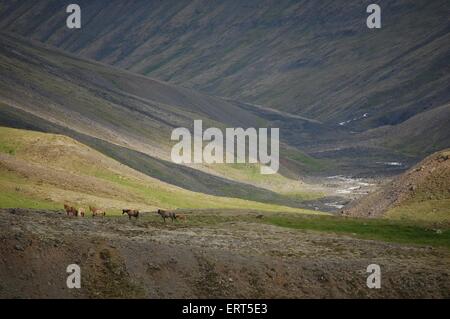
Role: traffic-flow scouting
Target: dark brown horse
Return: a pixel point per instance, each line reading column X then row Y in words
column 165, row 214
column 70, row 211
column 131, row 213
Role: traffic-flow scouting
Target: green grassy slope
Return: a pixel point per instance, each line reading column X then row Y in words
column 39, row 170
column 421, row 233
column 421, row 134
column 181, row 176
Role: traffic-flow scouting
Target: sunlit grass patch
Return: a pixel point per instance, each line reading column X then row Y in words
column 436, row 211
column 376, row 229
column 14, row 199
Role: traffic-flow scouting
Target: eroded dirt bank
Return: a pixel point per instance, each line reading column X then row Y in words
column 147, row 259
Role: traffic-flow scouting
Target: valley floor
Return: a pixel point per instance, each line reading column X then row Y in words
column 234, row 254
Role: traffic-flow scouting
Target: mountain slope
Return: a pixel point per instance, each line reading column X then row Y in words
column 112, row 104
column 421, row 193
column 39, row 170
column 315, row 59
column 128, row 117
column 420, row 134
column 293, row 194
column 69, row 95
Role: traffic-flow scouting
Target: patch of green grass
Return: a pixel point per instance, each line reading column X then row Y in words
column 7, row 149
column 304, row 160
column 376, row 229
column 174, row 198
column 8, row 144
column 436, row 211
column 17, row 199
column 250, row 173
column 305, row 196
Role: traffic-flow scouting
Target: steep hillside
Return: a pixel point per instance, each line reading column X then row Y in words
column 422, row 193
column 316, row 59
column 421, row 134
column 39, row 170
column 130, row 118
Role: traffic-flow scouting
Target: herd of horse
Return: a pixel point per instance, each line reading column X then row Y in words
column 80, row 212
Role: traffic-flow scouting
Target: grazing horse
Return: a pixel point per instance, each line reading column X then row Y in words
column 131, row 213
column 97, row 211
column 71, row 211
column 165, row 214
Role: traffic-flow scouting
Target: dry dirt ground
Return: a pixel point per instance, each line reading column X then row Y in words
column 236, row 259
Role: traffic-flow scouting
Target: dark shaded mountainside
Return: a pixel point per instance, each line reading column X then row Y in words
column 423, row 192
column 125, row 116
column 309, row 58
column 130, row 117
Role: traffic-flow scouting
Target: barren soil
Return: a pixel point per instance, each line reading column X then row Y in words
column 237, row 258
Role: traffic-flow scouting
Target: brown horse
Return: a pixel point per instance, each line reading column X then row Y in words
column 70, row 211
column 97, row 211
column 165, row 214
column 131, row 213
